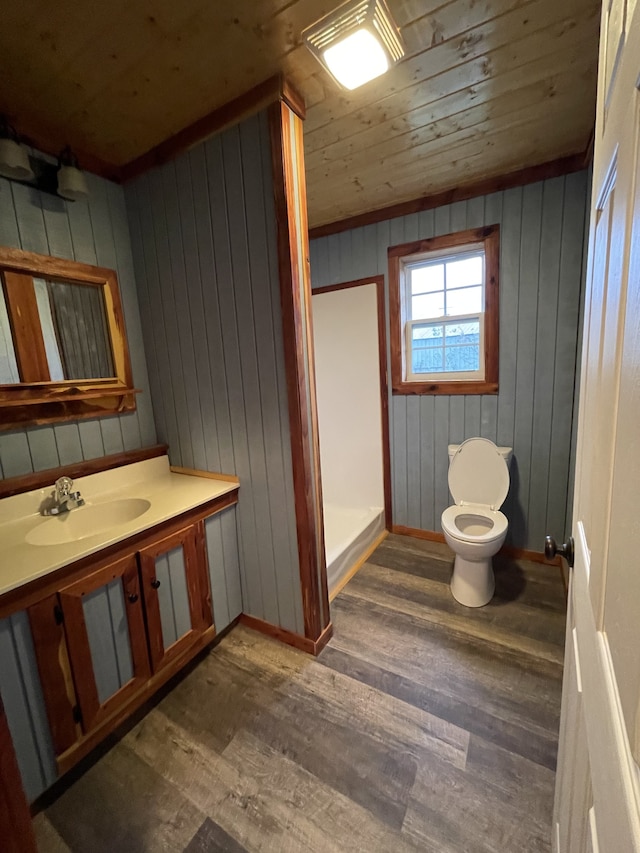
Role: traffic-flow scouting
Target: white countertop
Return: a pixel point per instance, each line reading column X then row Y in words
column 169, row 494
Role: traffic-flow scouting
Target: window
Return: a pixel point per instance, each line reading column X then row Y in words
column 444, row 314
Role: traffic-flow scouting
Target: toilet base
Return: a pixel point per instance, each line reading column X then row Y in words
column 473, row 582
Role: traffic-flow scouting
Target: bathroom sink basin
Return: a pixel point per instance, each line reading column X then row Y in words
column 86, row 521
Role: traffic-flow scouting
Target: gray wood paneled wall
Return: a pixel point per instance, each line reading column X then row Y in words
column 204, row 240
column 95, row 232
column 541, row 273
column 224, row 567
column 24, row 704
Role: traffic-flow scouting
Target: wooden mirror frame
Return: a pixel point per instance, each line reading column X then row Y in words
column 35, row 400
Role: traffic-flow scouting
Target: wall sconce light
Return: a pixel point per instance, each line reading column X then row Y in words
column 14, row 157
column 72, row 183
column 64, row 179
column 356, row 43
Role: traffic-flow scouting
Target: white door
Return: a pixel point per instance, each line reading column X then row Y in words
column 597, row 804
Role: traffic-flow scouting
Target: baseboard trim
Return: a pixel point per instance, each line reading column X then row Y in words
column 417, row 533
column 359, row 563
column 305, row 644
column 507, row 550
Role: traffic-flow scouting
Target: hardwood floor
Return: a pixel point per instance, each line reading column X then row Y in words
column 423, row 726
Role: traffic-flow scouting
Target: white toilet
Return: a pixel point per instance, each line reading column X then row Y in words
column 474, row 527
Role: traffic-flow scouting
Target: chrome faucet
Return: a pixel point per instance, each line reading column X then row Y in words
column 64, row 499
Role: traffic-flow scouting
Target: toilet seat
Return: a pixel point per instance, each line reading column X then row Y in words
column 478, row 475
column 498, row 529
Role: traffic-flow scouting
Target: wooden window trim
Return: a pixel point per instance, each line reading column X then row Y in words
column 488, row 235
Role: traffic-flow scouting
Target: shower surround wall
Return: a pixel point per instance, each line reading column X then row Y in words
column 347, row 365
column 205, row 248
column 541, row 256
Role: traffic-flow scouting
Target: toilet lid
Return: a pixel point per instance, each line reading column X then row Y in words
column 478, row 474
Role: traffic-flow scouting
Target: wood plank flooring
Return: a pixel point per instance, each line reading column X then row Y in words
column 423, row 726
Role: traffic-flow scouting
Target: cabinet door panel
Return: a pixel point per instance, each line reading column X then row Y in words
column 173, row 595
column 108, row 632
column 176, row 593
column 106, row 638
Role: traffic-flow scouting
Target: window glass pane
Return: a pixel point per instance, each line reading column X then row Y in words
column 427, row 279
column 427, row 305
column 451, row 347
column 467, row 332
column 427, row 348
column 464, row 272
column 428, row 360
column 461, row 358
column 428, row 335
column 465, row 301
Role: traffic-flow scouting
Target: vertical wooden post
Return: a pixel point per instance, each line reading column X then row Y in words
column 295, row 296
column 16, row 831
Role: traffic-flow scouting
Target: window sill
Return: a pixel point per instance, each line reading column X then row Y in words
column 449, row 388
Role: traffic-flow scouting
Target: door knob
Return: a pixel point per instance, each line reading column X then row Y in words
column 155, row 583
column 133, row 597
column 565, row 550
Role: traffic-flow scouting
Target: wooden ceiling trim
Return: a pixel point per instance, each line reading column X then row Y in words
column 475, row 160
column 270, row 91
column 292, row 98
column 521, row 177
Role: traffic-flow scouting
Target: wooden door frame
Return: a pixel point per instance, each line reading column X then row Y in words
column 378, row 280
column 289, row 187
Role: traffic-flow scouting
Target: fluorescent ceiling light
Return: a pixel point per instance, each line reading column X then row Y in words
column 356, row 43
column 356, row 59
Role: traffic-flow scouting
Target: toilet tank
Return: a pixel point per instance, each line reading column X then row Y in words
column 505, row 452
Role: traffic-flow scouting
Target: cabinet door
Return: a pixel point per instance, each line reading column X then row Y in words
column 106, row 638
column 177, row 596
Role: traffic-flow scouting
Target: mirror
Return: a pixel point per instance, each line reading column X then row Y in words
column 73, row 320
column 63, row 348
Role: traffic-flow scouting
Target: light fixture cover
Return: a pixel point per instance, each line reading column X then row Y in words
column 356, row 43
column 72, row 184
column 14, row 161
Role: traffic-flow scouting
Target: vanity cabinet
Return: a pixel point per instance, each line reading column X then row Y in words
column 86, row 642
column 102, row 638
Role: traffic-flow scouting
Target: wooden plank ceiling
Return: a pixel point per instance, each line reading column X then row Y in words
column 487, row 86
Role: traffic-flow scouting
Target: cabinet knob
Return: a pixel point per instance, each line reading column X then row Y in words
column 155, row 583
column 133, row 597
